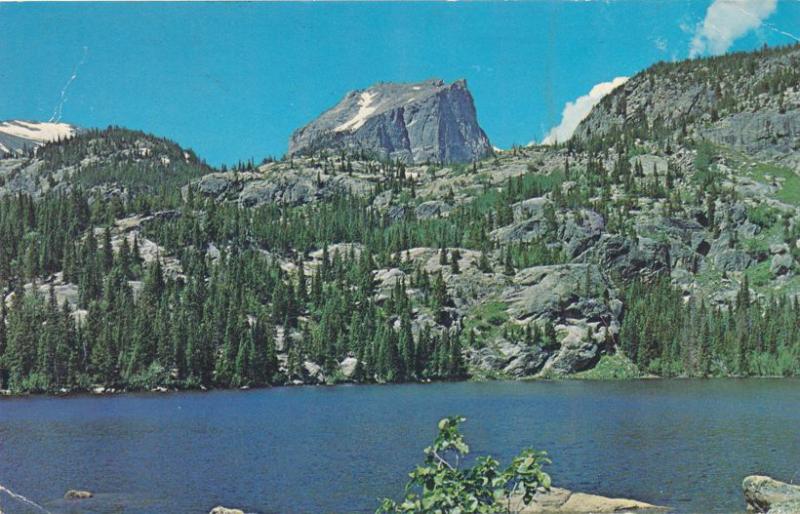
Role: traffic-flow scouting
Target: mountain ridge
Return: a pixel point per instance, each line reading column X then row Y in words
column 639, row 248
column 19, row 136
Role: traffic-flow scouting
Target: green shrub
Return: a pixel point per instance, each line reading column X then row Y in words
column 439, row 485
column 763, row 216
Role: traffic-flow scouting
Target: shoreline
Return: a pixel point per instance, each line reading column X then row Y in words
column 163, row 390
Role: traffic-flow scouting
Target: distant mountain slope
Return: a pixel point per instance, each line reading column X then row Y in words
column 429, row 121
column 17, row 136
column 110, row 158
column 748, row 101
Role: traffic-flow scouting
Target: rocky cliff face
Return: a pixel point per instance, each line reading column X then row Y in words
column 746, row 101
column 428, row 121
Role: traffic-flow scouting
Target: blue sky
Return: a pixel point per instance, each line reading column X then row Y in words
column 232, row 81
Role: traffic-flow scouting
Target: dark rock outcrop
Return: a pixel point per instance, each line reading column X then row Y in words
column 429, row 121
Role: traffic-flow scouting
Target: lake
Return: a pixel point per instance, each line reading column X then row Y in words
column 686, row 444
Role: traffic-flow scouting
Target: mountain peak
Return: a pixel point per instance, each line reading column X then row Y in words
column 428, row 121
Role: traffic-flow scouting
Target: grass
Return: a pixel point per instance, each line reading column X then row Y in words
column 790, row 183
column 487, row 318
column 789, row 191
column 610, row 367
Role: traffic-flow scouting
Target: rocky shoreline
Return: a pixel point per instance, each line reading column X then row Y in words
column 108, row 391
column 762, row 495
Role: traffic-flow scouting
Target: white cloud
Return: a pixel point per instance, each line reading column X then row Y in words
column 726, row 21
column 575, row 112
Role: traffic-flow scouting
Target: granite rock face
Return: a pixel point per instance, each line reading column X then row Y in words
column 765, row 494
column 678, row 98
column 558, row 500
column 429, row 121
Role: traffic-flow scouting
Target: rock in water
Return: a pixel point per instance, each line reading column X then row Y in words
column 558, row 500
column 224, row 510
column 765, row 494
column 791, row 507
column 429, row 121
column 77, row 494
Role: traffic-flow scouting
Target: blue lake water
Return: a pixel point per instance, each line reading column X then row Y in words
column 686, row 444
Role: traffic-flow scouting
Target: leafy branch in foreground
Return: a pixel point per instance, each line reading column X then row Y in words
column 440, row 485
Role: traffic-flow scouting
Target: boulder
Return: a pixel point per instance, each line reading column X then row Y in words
column 790, row 507
column 747, row 230
column 531, row 208
column 396, row 213
column 526, row 363
column 214, row 184
column 525, row 231
column 738, row 213
column 225, row 510
column 778, row 248
column 578, row 352
column 348, row 366
column 732, row 260
column 781, row 264
column 513, row 359
column 290, row 189
column 77, row 494
column 763, row 493
column 313, row 372
column 626, row 257
column 580, row 230
column 553, row 292
column 558, row 500
column 432, row 209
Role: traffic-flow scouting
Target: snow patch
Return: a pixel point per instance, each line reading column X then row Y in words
column 3, row 149
column 365, row 109
column 39, row 132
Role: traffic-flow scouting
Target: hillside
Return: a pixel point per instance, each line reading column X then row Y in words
column 113, row 158
column 646, row 245
column 745, row 101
